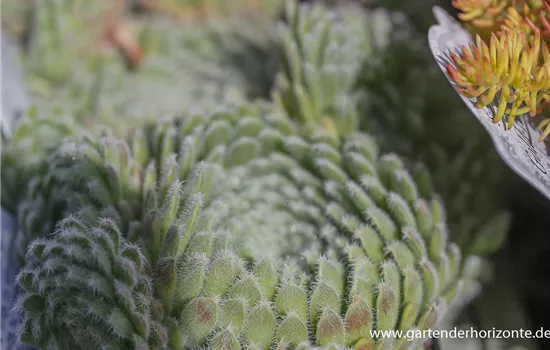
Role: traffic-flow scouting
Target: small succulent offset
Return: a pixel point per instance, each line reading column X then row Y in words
column 238, row 230
column 323, row 52
column 510, row 63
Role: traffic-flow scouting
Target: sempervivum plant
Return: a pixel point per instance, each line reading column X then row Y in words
column 323, row 52
column 411, row 109
column 237, row 230
column 66, row 65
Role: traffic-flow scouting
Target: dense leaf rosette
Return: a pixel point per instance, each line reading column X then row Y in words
column 238, row 230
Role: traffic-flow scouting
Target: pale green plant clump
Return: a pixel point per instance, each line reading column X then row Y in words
column 413, row 112
column 323, row 52
column 68, row 62
column 276, row 225
column 345, row 69
column 238, row 231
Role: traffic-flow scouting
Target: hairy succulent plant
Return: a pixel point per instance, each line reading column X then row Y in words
column 26, row 155
column 91, row 290
column 238, row 230
column 399, row 95
column 407, row 104
column 29, row 194
column 323, row 52
column 79, row 70
column 258, row 226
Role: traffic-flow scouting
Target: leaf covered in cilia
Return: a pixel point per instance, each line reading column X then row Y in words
column 236, row 230
column 276, row 226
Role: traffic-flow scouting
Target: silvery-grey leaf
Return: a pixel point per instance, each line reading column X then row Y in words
column 518, row 147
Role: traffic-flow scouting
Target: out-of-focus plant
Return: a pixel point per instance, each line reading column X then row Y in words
column 200, row 10
column 71, row 64
column 412, row 110
column 323, row 53
column 233, row 230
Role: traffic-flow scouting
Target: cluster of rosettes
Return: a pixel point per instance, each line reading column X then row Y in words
column 28, row 187
column 513, row 70
column 88, row 288
column 407, row 105
column 36, row 136
column 237, row 230
column 323, row 52
column 228, row 60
